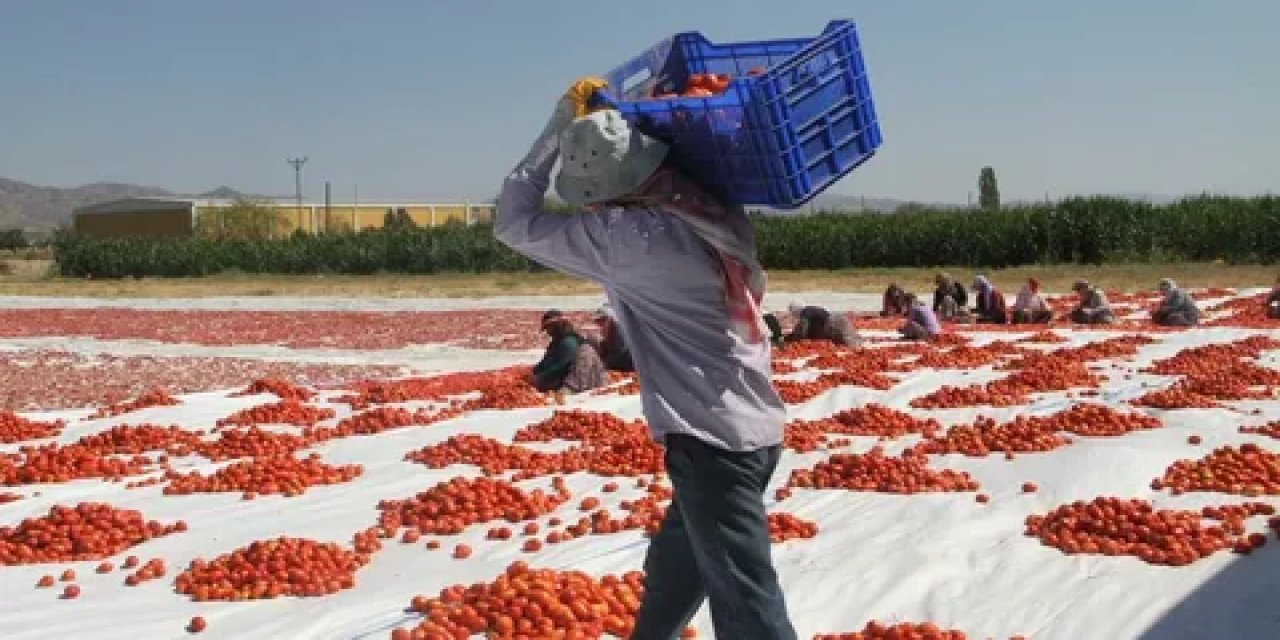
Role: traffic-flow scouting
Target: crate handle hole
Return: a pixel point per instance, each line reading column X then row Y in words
column 636, row 79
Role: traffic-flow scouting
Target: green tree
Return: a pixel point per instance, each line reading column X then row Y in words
column 11, row 239
column 988, row 190
column 243, row 219
column 398, row 220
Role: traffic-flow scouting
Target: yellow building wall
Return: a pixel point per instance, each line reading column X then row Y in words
column 481, row 214
column 450, row 213
column 295, row 218
column 347, row 218
column 421, row 216
column 370, row 217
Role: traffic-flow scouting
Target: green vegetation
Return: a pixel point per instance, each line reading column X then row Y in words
column 988, row 190
column 12, row 239
column 241, row 220
column 1077, row 231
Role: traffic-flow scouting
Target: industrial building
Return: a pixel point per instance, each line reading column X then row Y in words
column 176, row 217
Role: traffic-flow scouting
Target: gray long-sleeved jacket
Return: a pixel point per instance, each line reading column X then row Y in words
column 1179, row 301
column 664, row 282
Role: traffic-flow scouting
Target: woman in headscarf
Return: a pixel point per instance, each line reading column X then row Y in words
column 921, row 323
column 949, row 298
column 1177, row 308
column 680, row 269
column 1030, row 307
column 991, row 307
column 1272, row 303
column 816, row 323
column 1093, row 307
column 894, row 302
column 613, row 349
column 569, row 363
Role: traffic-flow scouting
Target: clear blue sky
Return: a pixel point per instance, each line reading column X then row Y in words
column 437, row 98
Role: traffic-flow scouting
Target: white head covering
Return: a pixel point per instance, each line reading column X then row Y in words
column 605, row 311
column 602, row 157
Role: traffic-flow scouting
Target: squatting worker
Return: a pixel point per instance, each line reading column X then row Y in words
column 680, row 271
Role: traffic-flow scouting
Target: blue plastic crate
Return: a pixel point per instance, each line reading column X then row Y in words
column 775, row 139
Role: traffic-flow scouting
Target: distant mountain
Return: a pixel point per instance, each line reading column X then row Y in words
column 35, row 207
column 852, row 204
column 224, row 193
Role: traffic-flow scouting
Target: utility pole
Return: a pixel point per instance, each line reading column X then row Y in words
column 327, row 203
column 297, row 178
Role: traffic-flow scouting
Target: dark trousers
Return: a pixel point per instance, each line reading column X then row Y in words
column 714, row 543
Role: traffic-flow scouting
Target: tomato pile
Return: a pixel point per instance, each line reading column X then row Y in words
column 1044, row 336
column 841, row 366
column 984, row 437
column 15, row 428
column 795, row 392
column 272, row 568
column 375, row 421
column 526, row 602
column 433, row 388
column 363, row 330
column 284, row 475
column 784, row 526
column 1097, row 420
column 278, row 387
column 624, row 455
column 1248, row 470
column 450, row 507
column 583, row 426
column 1174, row 398
column 152, row 398
column 1215, row 372
column 40, row 379
column 87, row 531
column 1012, row 390
column 1114, row 526
column 1212, row 359
column 1271, row 430
column 900, row 631
column 283, row 412
column 803, row 436
column 874, row 471
column 493, row 457
column 140, row 438
column 1243, row 312
column 961, row 357
column 54, row 463
column 878, row 420
column 252, row 443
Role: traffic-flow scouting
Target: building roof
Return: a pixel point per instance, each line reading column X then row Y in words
column 164, row 204
column 137, row 204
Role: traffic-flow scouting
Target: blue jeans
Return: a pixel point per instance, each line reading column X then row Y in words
column 714, row 543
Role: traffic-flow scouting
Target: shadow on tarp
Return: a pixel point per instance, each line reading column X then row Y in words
column 1241, row 602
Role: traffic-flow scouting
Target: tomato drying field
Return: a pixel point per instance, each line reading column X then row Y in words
column 244, row 471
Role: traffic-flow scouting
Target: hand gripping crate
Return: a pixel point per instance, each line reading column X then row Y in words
column 797, row 116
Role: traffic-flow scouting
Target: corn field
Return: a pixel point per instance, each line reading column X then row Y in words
column 1077, row 230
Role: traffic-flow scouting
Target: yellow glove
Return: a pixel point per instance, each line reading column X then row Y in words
column 580, row 93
